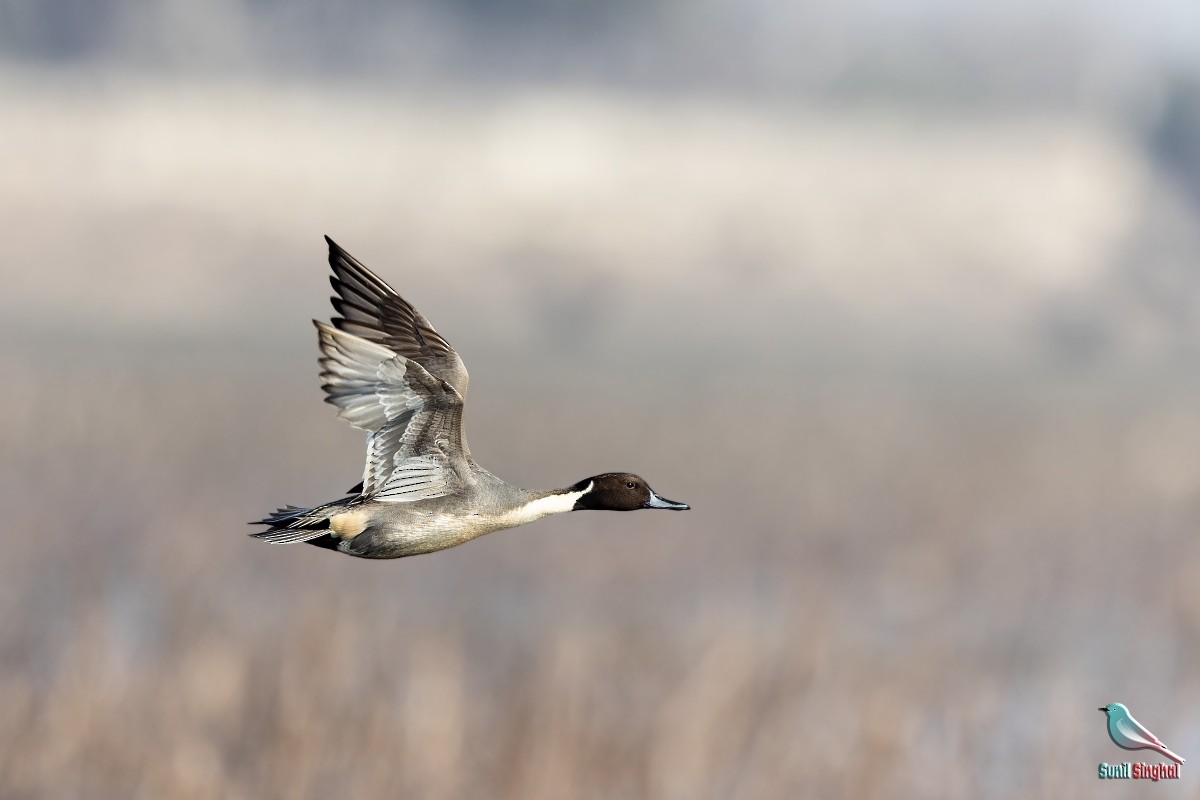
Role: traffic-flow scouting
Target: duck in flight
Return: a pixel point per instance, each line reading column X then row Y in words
column 391, row 374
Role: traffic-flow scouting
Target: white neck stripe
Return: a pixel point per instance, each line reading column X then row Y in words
column 551, row 504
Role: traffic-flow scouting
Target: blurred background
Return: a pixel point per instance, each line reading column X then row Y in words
column 904, row 299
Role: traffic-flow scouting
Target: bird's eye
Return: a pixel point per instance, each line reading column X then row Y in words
column 630, row 484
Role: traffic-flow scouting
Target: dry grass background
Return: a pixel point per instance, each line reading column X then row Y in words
column 924, row 546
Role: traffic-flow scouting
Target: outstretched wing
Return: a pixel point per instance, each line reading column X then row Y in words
column 372, row 310
column 413, row 419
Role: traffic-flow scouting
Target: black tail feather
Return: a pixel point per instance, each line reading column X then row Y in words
column 296, row 524
column 282, row 516
column 289, row 535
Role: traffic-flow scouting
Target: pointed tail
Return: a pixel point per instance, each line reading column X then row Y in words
column 294, row 524
column 1177, row 759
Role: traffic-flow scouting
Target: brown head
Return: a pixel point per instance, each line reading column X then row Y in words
column 620, row 491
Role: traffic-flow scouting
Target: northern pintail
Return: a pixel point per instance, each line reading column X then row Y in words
column 392, row 375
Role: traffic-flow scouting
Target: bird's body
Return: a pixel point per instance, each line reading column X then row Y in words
column 381, row 529
column 1129, row 734
column 391, row 374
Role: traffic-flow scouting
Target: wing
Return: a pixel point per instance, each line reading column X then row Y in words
column 372, row 310
column 1132, row 729
column 412, row 418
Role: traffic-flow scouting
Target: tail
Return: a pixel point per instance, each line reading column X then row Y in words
column 1170, row 755
column 295, row 524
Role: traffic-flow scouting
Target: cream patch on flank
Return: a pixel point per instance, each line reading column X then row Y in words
column 348, row 524
column 545, row 506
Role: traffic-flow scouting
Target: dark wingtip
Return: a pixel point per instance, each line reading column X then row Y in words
column 335, row 251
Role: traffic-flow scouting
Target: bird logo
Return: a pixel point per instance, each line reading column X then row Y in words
column 1129, row 734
